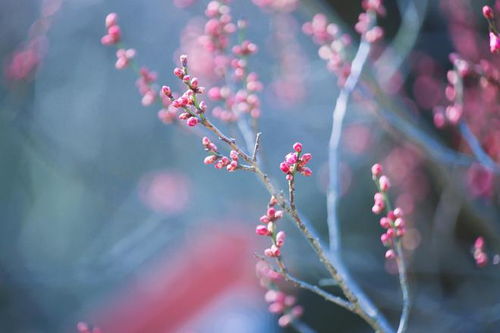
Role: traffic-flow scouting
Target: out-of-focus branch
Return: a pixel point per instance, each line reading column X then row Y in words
column 475, row 146
column 312, row 288
column 357, row 296
column 412, row 17
column 414, row 130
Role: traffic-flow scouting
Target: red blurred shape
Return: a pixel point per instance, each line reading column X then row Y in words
column 181, row 285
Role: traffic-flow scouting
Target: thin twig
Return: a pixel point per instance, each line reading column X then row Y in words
column 465, row 130
column 312, row 288
column 403, row 281
column 256, row 147
column 403, row 276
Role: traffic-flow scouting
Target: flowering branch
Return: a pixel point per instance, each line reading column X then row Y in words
column 395, row 225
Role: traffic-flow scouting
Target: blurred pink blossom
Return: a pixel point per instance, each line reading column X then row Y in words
column 166, row 192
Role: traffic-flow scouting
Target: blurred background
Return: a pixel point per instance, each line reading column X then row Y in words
column 109, row 216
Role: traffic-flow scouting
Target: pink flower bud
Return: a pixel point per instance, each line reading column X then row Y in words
column 210, row 159
column 488, row 12
column 479, row 243
column 297, row 147
column 271, row 212
column 262, row 230
column 284, row 167
column 376, row 170
column 385, row 239
column 400, row 232
column 148, row 98
column 203, row 106
column 166, row 91
column 264, row 219
column 306, row 172
column 399, row 223
column 115, row 32
column 297, row 311
column 291, row 159
column 276, row 307
column 285, row 320
column 271, row 296
column 233, row 165
column 280, row 238
column 398, row 212
column 378, row 207
column 184, row 116
column 278, row 215
column 112, row 19
column 184, row 60
column 385, row 222
column 305, row 158
column 214, row 93
column 289, row 301
column 234, row 155
column 194, row 82
column 205, row 141
column 378, row 197
column 384, row 183
column 481, row 259
column 225, row 161
column 390, row 254
column 391, row 233
column 193, row 121
column 178, row 72
column 494, row 43
column 273, row 251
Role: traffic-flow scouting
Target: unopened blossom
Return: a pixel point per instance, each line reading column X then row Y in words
column 479, row 253
column 113, row 35
column 296, row 162
column 488, row 12
column 494, row 43
column 393, row 223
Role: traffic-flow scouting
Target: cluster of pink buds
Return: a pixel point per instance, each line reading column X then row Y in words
column 168, row 113
column 365, row 26
column 188, row 101
column 124, row 57
column 485, row 72
column 86, row 328
column 219, row 26
column 145, row 84
column 266, row 274
column 218, row 160
column 478, row 252
column 493, row 34
column 268, row 228
column 393, row 222
column 333, row 45
column 296, row 162
column 245, row 48
column 283, row 305
column 279, row 302
column 114, row 33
